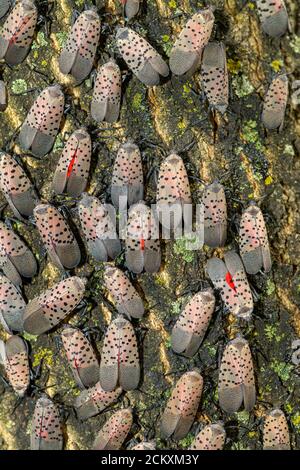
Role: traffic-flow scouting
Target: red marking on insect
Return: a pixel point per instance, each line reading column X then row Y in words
column 14, row 37
column 76, row 365
column 142, row 244
column 229, row 281
column 71, row 164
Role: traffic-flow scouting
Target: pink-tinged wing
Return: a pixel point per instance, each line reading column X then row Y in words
column 273, row 16
column 15, row 257
column 41, row 125
column 18, row 31
column 182, row 406
column 222, row 281
column 16, row 187
column 120, row 358
column 78, row 54
column 94, row 400
column 215, row 215
column 190, row 328
column 57, row 236
column 141, row 57
column 99, row 229
column 247, row 370
column 124, row 294
column 230, row 386
column 254, row 244
column 212, row 437
column 3, row 96
column 48, row 309
column 114, row 431
column 276, row 432
column 12, row 306
column 127, row 177
column 185, row 55
column 81, row 357
column 214, row 76
column 275, row 103
column 17, row 364
column 46, row 431
column 240, row 283
column 131, row 8
column 105, row 105
column 73, row 167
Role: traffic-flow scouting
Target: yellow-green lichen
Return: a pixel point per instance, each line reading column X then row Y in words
column 180, row 248
column 40, row 41
column 242, row 86
column 137, row 101
column 282, row 369
column 295, row 44
column 250, row 134
column 42, row 354
column 19, row 86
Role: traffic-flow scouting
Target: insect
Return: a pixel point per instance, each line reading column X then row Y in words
column 46, row 430
column 214, row 215
column 57, row 236
column 106, row 100
column 230, row 278
column 79, row 52
column 130, row 8
column 3, row 96
column 120, row 358
column 14, row 356
column 254, row 244
column 52, row 306
column 276, row 431
column 275, row 102
column 39, row 130
column 190, row 328
column 236, row 377
column 144, row 61
column 211, row 437
column 16, row 259
column 214, row 76
column 99, row 229
column 127, row 186
column 16, row 187
column 94, row 400
column 142, row 251
column 124, row 294
column 182, row 406
column 144, row 446
column 72, row 170
column 273, row 16
column 114, row 431
column 4, row 7
column 12, row 306
column 186, row 52
column 18, row 31
column 173, row 192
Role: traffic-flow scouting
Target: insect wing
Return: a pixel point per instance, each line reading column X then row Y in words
column 17, row 364
column 214, row 215
column 214, row 76
column 276, row 431
column 94, row 400
column 3, row 96
column 273, row 16
column 212, row 437
column 114, row 431
column 105, row 105
column 275, row 103
column 238, row 280
column 46, row 432
column 12, row 306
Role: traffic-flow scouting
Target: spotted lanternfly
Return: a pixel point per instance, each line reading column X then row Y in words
column 214, row 76
column 144, row 61
column 94, row 400
column 254, row 244
column 120, row 357
column 12, row 306
column 98, row 228
column 212, row 437
column 190, row 328
column 105, row 105
column 78, row 54
column 57, row 236
column 17, row 32
column 4, row 7
column 130, row 8
column 3, row 96
column 214, row 215
column 114, row 431
column 276, row 431
column 124, row 294
column 173, row 191
column 127, row 180
column 16, row 187
column 273, row 16
column 14, row 356
column 16, row 259
column 182, row 406
column 230, row 278
column 142, row 251
column 41, row 125
column 144, row 446
column 186, row 53
column 72, row 170
column 275, row 103
column 46, row 431
column 236, row 377
column 81, row 357
column 52, row 306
